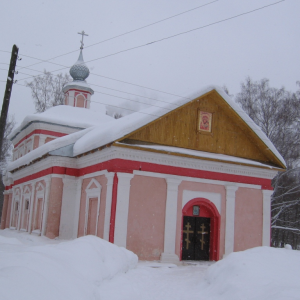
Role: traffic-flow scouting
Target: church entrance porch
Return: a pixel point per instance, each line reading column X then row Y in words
column 196, row 238
column 200, row 230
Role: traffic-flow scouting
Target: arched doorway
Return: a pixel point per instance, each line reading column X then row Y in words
column 200, row 230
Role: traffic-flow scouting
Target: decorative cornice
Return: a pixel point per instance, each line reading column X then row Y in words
column 143, row 156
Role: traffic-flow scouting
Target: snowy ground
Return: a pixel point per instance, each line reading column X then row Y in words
column 91, row 269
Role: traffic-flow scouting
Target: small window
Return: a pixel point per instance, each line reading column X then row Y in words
column 17, row 206
column 27, row 205
column 196, row 210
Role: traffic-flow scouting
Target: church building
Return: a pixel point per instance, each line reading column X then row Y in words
column 185, row 180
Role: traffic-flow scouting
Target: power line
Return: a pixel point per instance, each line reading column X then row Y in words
column 111, row 104
column 128, row 32
column 165, row 38
column 131, row 94
column 172, row 36
column 185, row 32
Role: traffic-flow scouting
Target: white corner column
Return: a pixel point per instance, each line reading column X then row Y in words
column 170, row 221
column 69, row 218
column 266, row 232
column 121, row 221
column 46, row 204
column 230, row 214
column 109, row 186
column 31, row 206
column 20, row 208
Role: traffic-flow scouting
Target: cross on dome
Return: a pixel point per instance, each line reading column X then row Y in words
column 79, row 71
column 83, row 34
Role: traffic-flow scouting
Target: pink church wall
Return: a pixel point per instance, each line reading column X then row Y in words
column 54, row 208
column 147, row 205
column 80, row 101
column 36, row 141
column 248, row 219
column 210, row 188
column 25, row 212
column 36, row 214
column 100, row 228
column 48, row 139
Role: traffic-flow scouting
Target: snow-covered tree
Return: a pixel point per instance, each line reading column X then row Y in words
column 46, row 90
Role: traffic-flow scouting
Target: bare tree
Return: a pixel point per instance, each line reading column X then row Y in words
column 46, row 90
column 5, row 156
column 285, row 211
column 277, row 112
column 6, row 145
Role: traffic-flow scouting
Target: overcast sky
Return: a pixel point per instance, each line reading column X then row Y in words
column 262, row 44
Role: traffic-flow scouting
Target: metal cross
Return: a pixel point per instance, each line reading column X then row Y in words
column 83, row 34
column 202, row 237
column 188, row 231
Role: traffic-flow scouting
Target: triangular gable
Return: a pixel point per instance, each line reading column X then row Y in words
column 229, row 134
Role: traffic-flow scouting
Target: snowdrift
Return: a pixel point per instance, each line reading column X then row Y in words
column 68, row 270
column 261, row 273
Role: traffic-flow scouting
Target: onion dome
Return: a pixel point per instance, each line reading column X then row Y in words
column 79, row 71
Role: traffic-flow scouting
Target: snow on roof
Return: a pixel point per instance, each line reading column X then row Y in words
column 66, row 115
column 46, row 148
column 112, row 129
column 109, row 132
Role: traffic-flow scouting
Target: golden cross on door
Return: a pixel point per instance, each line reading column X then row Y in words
column 188, row 231
column 202, row 237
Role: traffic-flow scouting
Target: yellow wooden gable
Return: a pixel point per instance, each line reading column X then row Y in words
column 229, row 133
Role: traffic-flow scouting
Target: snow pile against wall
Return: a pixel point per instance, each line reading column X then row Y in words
column 261, row 273
column 68, row 270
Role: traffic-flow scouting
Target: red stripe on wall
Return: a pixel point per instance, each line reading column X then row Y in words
column 128, row 166
column 113, row 209
column 40, row 131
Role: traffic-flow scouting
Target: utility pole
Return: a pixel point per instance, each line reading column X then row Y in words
column 7, row 93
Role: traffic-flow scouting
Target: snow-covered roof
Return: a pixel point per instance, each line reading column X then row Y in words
column 111, row 129
column 66, row 115
column 108, row 132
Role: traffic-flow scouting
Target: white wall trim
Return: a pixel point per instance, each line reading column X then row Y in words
column 26, row 196
column 107, row 216
column 230, row 217
column 194, row 179
column 266, row 230
column 215, row 198
column 31, row 207
column 92, row 193
column 121, row 221
column 170, row 221
column 70, row 208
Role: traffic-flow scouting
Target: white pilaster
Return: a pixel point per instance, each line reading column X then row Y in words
column 20, row 207
column 266, row 232
column 46, row 204
column 31, row 206
column 69, row 218
column 121, row 221
column 109, row 187
column 170, row 221
column 230, row 213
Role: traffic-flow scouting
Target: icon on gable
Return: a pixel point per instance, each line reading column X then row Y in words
column 204, row 121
